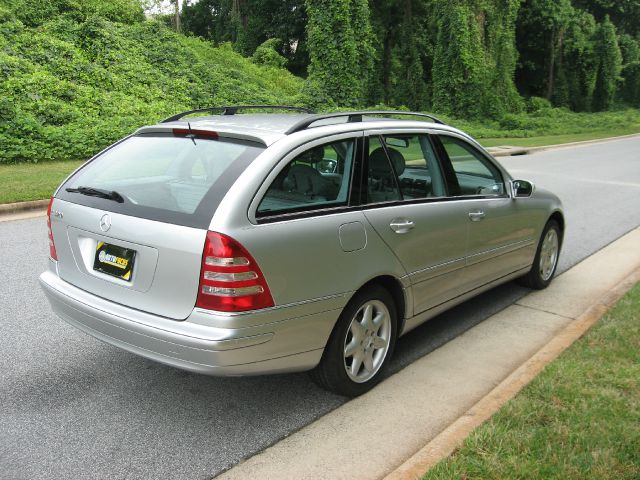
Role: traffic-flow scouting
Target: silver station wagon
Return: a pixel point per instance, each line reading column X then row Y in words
column 278, row 240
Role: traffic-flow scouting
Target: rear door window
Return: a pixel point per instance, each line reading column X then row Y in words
column 317, row 178
column 164, row 177
column 403, row 167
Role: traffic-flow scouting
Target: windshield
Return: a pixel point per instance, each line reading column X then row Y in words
column 162, row 177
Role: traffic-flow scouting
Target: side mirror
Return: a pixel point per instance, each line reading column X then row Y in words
column 522, row 188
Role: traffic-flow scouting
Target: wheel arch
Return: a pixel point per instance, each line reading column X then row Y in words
column 559, row 218
column 394, row 287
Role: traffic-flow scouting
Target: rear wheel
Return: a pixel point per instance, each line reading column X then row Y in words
column 546, row 259
column 360, row 345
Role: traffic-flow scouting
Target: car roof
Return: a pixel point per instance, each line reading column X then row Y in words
column 268, row 128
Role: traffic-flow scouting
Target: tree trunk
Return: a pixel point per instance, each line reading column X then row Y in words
column 386, row 67
column 177, row 16
column 552, row 65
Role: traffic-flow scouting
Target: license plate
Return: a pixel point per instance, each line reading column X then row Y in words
column 115, row 261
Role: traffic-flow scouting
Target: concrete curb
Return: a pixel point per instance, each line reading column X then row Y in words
column 454, row 435
column 23, row 210
column 509, row 151
column 19, row 207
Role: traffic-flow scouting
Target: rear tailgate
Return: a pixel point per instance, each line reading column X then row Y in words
column 165, row 258
column 130, row 225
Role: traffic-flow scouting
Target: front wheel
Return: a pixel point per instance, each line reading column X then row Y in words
column 360, row 345
column 546, row 259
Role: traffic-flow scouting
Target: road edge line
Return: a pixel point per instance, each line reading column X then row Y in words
column 452, row 437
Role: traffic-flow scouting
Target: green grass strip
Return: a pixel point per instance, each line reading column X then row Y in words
column 579, row 419
column 32, row 181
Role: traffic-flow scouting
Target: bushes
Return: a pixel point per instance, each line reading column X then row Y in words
column 37, row 12
column 267, row 54
column 71, row 87
column 547, row 121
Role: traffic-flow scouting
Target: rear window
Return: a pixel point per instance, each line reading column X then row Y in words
column 163, row 177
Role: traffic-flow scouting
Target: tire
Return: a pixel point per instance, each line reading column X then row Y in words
column 546, row 260
column 358, row 349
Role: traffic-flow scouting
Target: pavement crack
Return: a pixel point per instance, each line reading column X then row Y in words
column 545, row 311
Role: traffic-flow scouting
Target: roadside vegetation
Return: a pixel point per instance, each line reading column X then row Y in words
column 577, row 420
column 552, row 126
column 72, row 83
column 77, row 76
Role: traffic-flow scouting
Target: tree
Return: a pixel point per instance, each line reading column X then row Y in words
column 412, row 89
column 474, row 58
column 340, row 50
column 387, row 24
column 176, row 14
column 577, row 75
column 540, row 33
column 625, row 14
column 609, row 66
column 630, row 91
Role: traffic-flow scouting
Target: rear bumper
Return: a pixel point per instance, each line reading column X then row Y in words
column 290, row 339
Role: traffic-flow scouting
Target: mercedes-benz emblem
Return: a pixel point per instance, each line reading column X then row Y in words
column 105, row 222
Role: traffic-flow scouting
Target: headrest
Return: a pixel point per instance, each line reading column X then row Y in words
column 312, row 156
column 379, row 164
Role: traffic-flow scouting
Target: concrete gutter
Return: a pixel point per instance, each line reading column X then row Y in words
column 509, row 151
column 421, row 413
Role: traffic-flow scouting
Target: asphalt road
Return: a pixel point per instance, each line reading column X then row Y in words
column 73, row 407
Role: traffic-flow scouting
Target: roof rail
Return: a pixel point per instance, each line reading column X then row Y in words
column 355, row 117
column 233, row 109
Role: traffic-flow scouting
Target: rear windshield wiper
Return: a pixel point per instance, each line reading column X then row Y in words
column 98, row 192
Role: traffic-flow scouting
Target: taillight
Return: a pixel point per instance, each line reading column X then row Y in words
column 230, row 279
column 52, row 246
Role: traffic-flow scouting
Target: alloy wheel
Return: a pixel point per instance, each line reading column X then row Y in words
column 367, row 341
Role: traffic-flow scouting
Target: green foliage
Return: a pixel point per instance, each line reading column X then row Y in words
column 577, row 67
column 266, row 54
column 537, row 105
column 71, row 87
column 540, row 33
column 458, row 56
column 75, row 75
column 458, row 83
column 609, row 66
column 410, row 85
column 340, row 44
column 546, row 121
column 249, row 23
column 475, row 58
column 37, row 12
column 630, row 91
column 625, row 14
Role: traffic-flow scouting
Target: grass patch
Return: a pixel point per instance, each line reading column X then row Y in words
column 33, row 181
column 579, row 419
column 558, row 139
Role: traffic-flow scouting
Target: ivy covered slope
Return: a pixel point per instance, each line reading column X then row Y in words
column 77, row 75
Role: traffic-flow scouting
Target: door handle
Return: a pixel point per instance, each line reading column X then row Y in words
column 477, row 215
column 401, row 225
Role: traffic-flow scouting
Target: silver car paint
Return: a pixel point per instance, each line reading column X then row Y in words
column 310, row 273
